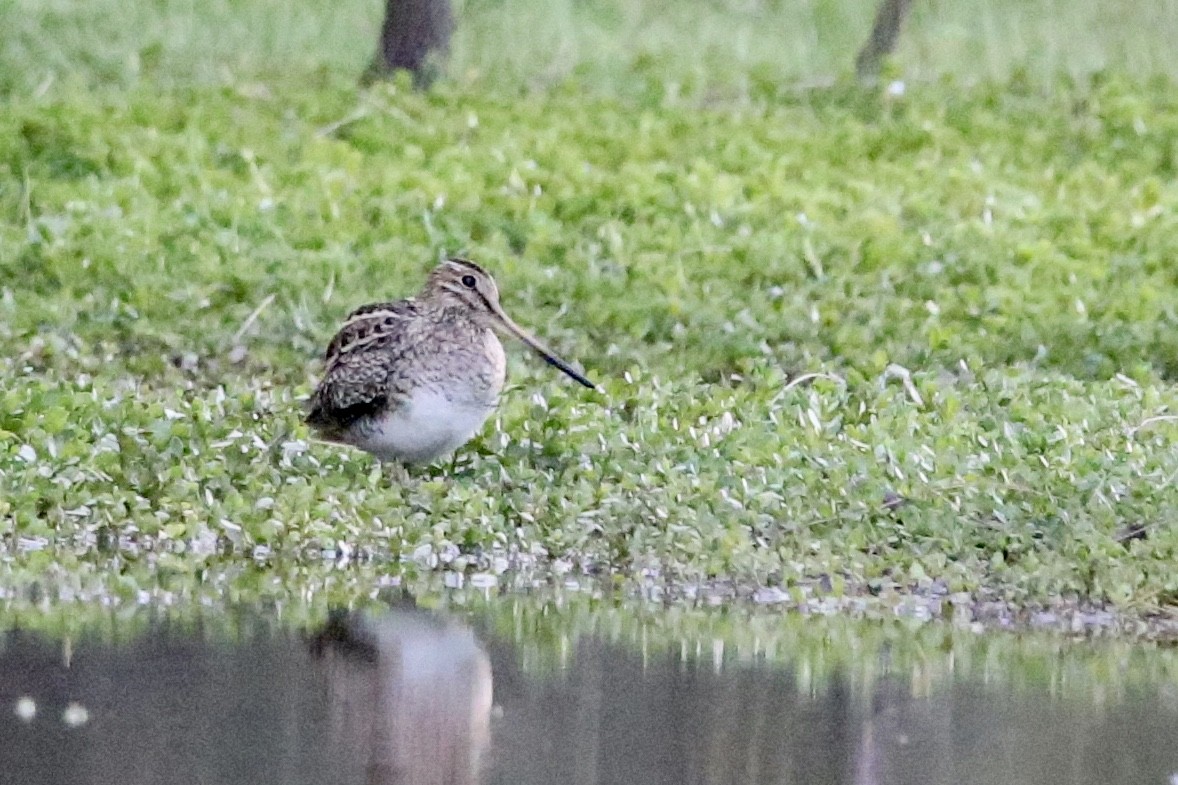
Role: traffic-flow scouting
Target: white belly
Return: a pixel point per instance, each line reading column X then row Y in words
column 426, row 427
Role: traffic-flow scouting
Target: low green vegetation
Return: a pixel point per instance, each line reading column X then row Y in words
column 856, row 346
column 705, row 50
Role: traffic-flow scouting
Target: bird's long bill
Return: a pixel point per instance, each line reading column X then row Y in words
column 534, row 344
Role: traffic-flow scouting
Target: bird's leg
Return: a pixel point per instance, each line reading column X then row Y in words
column 397, row 473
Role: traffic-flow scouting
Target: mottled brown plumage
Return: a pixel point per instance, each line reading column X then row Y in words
column 414, row 379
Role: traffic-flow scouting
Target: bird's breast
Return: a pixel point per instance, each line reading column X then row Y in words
column 496, row 361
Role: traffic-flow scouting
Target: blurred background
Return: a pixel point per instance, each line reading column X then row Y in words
column 741, row 48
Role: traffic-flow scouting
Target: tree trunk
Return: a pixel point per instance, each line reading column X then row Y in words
column 415, row 35
column 884, row 34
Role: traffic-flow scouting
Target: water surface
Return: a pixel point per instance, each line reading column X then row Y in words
column 534, row 692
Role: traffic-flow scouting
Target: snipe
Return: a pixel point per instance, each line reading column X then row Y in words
column 415, row 379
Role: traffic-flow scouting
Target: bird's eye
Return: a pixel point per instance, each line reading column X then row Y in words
column 468, row 281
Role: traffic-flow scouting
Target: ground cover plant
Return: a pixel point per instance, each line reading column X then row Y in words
column 853, row 342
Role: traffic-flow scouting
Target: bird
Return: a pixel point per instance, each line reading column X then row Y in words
column 412, row 380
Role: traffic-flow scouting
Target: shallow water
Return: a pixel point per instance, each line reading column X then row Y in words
column 538, row 694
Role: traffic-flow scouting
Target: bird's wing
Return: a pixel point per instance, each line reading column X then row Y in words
column 360, row 359
column 373, row 325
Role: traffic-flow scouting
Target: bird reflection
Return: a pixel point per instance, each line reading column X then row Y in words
column 409, row 696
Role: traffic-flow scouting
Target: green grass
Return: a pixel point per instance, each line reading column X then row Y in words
column 706, row 49
column 173, row 264
column 800, row 304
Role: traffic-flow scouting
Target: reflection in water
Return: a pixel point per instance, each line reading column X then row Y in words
column 409, row 696
column 610, row 719
column 405, row 696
